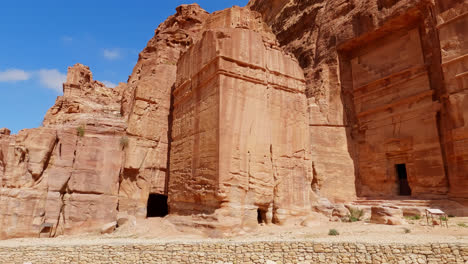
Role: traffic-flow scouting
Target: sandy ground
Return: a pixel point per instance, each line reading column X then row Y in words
column 161, row 230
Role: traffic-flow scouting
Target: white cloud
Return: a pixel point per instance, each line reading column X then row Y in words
column 52, row 79
column 109, row 84
column 67, row 39
column 111, row 54
column 14, row 75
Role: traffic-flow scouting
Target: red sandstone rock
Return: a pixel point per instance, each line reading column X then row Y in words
column 239, row 141
column 377, row 95
column 146, row 105
column 387, row 215
column 5, row 131
column 61, row 172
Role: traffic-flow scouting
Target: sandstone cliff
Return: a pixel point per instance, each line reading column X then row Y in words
column 64, row 175
column 100, row 150
column 146, row 106
column 239, row 147
column 385, row 88
column 222, row 120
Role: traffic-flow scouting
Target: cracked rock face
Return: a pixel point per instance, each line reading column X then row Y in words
column 221, row 118
column 65, row 174
column 239, row 141
column 101, row 150
column 146, row 107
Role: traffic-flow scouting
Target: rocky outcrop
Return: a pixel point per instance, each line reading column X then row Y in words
column 146, row 107
column 385, row 116
column 85, row 101
column 239, row 147
column 64, row 175
column 220, row 120
column 386, row 215
column 452, row 26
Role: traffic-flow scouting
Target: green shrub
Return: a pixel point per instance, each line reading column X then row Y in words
column 124, row 142
column 333, row 232
column 413, row 217
column 407, row 230
column 80, row 131
column 355, row 214
column 462, row 225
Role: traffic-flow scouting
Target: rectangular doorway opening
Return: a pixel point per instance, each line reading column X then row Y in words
column 261, row 216
column 403, row 185
column 157, row 206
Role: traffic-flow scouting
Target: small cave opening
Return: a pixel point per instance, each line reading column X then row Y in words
column 402, row 174
column 157, row 206
column 261, row 216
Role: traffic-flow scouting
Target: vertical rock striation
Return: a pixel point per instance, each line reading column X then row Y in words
column 235, row 131
column 239, row 148
column 146, row 107
column 64, row 175
column 385, row 82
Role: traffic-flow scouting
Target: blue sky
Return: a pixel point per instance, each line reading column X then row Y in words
column 41, row 38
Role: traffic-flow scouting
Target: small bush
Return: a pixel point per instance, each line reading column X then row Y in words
column 462, row 225
column 80, row 131
column 124, row 142
column 407, row 230
column 443, row 218
column 354, row 215
column 413, row 217
column 333, row 232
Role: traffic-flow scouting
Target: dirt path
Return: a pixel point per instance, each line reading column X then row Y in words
column 159, row 230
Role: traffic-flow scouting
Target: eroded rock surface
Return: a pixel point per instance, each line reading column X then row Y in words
column 385, row 113
column 146, row 107
column 387, row 215
column 218, row 116
column 239, row 146
column 65, row 174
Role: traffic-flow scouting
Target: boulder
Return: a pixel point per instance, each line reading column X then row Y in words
column 125, row 219
column 108, row 228
column 387, row 215
column 5, row 131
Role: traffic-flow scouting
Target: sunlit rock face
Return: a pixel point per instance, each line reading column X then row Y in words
column 264, row 113
column 64, row 175
column 386, row 83
column 146, row 105
column 239, row 136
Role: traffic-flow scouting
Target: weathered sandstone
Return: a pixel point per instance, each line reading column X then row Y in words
column 146, row 107
column 239, row 144
column 387, row 215
column 386, row 87
column 65, row 174
column 238, row 118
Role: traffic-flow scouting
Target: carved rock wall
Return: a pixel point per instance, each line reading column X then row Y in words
column 378, row 90
column 236, row 128
column 453, row 28
column 146, row 106
column 239, row 141
column 101, row 150
column 397, row 119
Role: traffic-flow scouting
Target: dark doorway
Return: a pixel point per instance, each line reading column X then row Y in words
column 157, row 206
column 261, row 216
column 404, row 188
